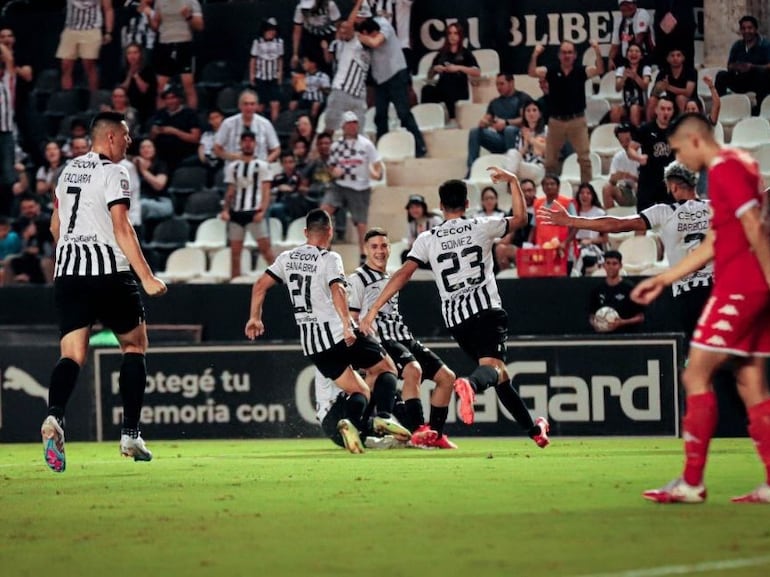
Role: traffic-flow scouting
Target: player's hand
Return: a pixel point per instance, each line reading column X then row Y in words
column 349, row 335
column 365, row 325
column 648, row 290
column 254, row 328
column 555, row 215
column 497, row 174
column 154, row 287
column 612, row 326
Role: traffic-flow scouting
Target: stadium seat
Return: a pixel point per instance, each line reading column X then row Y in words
column 604, row 143
column 469, row 114
column 734, row 108
column 596, row 109
column 489, row 61
column 211, row 234
column 479, row 178
column 220, row 270
column 60, row 104
column 216, row 74
column 750, row 133
column 719, row 133
column 764, row 108
column 183, row 265
column 607, row 89
column 639, row 253
column 394, row 261
column 424, row 65
column 184, row 181
column 227, row 100
column 202, row 205
column 275, row 227
column 762, row 154
column 703, row 90
column 398, row 145
column 295, row 233
column 370, row 127
column 429, row 116
column 528, row 84
column 570, row 170
column 99, row 98
column 170, row 234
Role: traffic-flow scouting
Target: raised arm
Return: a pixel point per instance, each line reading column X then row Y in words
column 598, row 68
column 533, row 69
column 518, row 218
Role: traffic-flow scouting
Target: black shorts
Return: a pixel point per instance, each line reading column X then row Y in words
column 365, row 353
column 173, row 58
column 268, row 91
column 483, row 335
column 405, row 352
column 114, row 300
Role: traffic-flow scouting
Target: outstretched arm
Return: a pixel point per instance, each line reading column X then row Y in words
column 558, row 215
column 395, row 284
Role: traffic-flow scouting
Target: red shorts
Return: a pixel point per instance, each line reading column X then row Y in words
column 735, row 323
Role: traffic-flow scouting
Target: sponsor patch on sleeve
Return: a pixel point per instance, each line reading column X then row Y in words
column 124, row 187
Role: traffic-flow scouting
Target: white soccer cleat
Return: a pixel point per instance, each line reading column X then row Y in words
column 759, row 495
column 388, row 425
column 386, row 442
column 134, row 447
column 677, row 491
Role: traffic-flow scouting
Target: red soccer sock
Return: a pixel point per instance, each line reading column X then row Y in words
column 759, row 429
column 700, row 421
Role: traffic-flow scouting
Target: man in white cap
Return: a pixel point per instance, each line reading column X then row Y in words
column 634, row 25
column 355, row 161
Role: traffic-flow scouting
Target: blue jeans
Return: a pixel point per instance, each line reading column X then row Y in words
column 495, row 142
column 396, row 90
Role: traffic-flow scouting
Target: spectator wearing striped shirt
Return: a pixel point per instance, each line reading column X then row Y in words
column 266, row 66
column 82, row 38
column 315, row 23
column 317, row 86
column 7, row 126
column 175, row 21
column 136, row 27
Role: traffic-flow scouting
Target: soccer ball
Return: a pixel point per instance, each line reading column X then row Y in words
column 603, row 317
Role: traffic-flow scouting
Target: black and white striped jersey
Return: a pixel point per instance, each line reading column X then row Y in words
column 682, row 227
column 83, row 14
column 308, row 273
column 7, row 90
column 247, row 177
column 268, row 55
column 353, row 60
column 459, row 251
column 364, row 286
column 88, row 186
column 317, row 85
column 137, row 30
column 318, row 21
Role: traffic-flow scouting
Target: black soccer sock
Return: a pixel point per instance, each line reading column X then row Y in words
column 355, row 405
column 438, row 416
column 384, row 392
column 63, row 379
column 511, row 400
column 414, row 417
column 132, row 381
column 482, row 378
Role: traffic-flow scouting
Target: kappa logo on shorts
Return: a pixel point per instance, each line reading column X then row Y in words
column 717, row 341
column 737, row 297
column 729, row 311
column 723, row 325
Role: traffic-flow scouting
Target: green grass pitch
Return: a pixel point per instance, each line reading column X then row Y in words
column 303, row 507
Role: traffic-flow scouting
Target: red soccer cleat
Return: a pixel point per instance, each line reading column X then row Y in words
column 677, row 491
column 467, row 397
column 759, row 495
column 443, row 442
column 542, row 439
column 424, row 437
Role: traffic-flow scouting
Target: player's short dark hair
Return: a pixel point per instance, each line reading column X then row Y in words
column 690, row 119
column 749, row 18
column 318, row 220
column 368, row 26
column 375, row 231
column 108, row 117
column 613, row 254
column 453, row 194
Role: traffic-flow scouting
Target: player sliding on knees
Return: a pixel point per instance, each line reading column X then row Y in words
column 459, row 252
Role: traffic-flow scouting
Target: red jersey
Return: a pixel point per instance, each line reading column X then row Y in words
column 734, row 187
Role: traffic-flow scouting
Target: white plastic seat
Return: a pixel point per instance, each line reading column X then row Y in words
column 703, row 90
column 295, row 233
column 211, row 234
column 489, row 61
column 275, row 227
column 398, row 145
column 528, row 84
column 423, row 67
column 394, row 260
column 429, row 116
column 734, row 108
column 220, row 269
column 607, row 89
column 603, row 141
column 764, row 107
column 479, row 178
column 639, row 253
column 570, row 170
column 719, row 133
column 762, row 155
column 468, row 114
column 750, row 133
column 184, row 264
column 597, row 108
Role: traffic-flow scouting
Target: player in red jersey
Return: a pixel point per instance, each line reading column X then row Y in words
column 735, row 323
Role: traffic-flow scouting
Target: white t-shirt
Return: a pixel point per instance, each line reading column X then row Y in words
column 229, row 134
column 594, row 211
column 621, row 163
column 640, row 22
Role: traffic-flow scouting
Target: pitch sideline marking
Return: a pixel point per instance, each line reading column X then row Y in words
column 688, row 569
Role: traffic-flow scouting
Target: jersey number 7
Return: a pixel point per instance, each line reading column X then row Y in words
column 76, row 191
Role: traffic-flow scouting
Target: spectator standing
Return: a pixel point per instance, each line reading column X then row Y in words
column 140, row 83
column 175, row 129
column 632, row 78
column 136, row 27
column 227, row 142
column 82, row 39
column 453, row 65
column 653, row 153
column 206, row 157
column 624, row 172
column 175, row 21
column 748, row 64
column 119, row 103
column 567, row 104
column 674, row 27
column 615, row 292
column 7, row 128
column 526, row 158
column 266, row 66
column 314, row 24
column 22, row 88
column 498, row 129
column 634, row 26
column 317, row 86
column 355, row 162
column 678, row 80
column 390, row 74
column 399, row 14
